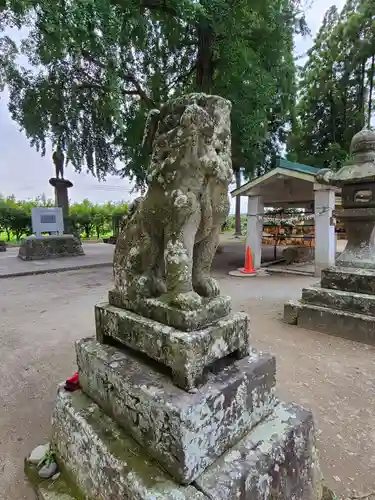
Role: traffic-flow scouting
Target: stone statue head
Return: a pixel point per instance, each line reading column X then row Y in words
column 197, row 127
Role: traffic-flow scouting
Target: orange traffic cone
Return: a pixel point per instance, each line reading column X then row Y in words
column 248, row 269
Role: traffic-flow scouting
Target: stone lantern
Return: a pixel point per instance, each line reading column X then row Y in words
column 344, row 303
column 357, row 182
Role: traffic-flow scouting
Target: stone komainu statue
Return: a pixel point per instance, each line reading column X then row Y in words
column 167, row 243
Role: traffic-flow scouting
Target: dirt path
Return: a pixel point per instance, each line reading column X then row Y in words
column 43, row 315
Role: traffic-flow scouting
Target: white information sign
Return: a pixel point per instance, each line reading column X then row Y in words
column 47, row 220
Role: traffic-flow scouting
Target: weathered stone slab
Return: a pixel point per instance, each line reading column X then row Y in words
column 161, row 311
column 349, row 279
column 184, row 432
column 360, row 303
column 352, row 326
column 277, row 459
column 105, row 463
column 50, row 247
column 187, row 354
column 291, row 312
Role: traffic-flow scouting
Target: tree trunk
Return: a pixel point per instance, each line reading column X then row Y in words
column 333, row 117
column 238, row 230
column 343, row 142
column 361, row 97
column 370, row 91
column 205, row 66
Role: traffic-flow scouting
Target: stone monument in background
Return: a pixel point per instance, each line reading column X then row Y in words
column 344, row 302
column 61, row 187
column 62, row 243
column 174, row 402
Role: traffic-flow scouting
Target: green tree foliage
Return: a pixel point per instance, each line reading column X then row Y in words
column 98, row 67
column 88, row 219
column 336, row 86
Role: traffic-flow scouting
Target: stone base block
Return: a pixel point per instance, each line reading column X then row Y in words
column 359, row 303
column 50, row 247
column 277, row 459
column 352, row 326
column 163, row 312
column 349, row 279
column 103, row 461
column 184, row 432
column 291, row 309
column 187, row 354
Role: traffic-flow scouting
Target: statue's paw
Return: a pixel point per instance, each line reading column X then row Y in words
column 141, row 286
column 187, row 301
column 207, row 287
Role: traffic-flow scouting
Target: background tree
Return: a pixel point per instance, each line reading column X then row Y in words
column 335, row 86
column 88, row 218
column 98, row 67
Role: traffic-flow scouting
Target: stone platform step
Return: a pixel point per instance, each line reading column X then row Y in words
column 186, row 354
column 212, row 309
column 351, row 326
column 360, row 303
column 276, row 458
column 102, row 460
column 349, row 279
column 184, row 432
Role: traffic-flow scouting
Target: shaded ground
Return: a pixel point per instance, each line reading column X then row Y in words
column 43, row 315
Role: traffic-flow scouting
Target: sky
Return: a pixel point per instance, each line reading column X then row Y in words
column 24, row 173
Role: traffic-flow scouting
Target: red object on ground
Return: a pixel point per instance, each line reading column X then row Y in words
column 248, row 269
column 72, row 383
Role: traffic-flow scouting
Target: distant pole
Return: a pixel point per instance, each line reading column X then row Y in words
column 238, row 229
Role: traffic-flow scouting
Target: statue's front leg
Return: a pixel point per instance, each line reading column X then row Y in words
column 204, row 252
column 178, row 256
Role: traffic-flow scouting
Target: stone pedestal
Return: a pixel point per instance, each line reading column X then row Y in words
column 61, row 187
column 177, row 405
column 343, row 304
column 50, row 247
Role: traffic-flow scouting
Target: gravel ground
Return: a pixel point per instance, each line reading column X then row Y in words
column 43, row 315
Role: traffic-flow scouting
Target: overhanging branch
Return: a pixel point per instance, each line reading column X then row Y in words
column 129, row 77
column 182, row 78
column 160, row 5
column 152, row 5
column 142, row 94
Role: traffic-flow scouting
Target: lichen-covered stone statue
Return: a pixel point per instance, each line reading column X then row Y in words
column 167, row 243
